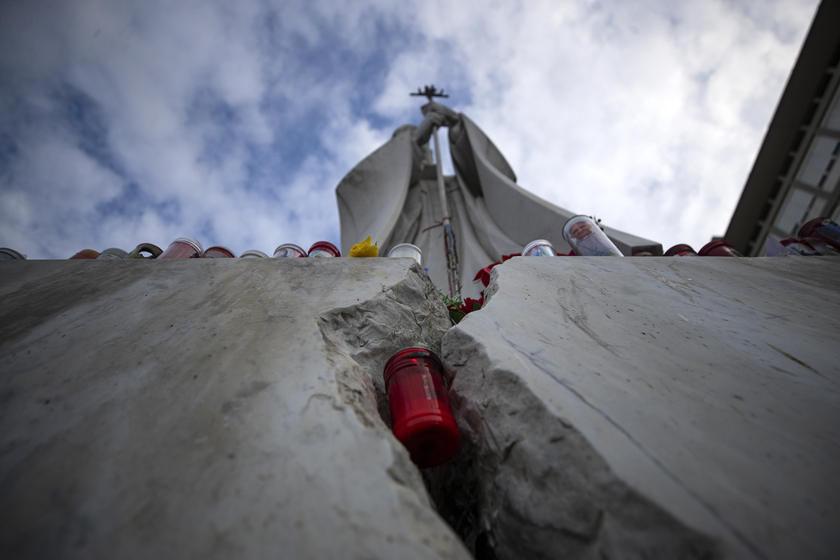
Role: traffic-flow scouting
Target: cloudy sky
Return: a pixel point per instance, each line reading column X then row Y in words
column 124, row 121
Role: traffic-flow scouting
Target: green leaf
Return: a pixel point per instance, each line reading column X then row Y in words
column 456, row 316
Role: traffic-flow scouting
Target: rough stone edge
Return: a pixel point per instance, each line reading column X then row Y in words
column 357, row 348
column 486, row 488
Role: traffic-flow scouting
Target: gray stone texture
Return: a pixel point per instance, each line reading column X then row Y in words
column 609, row 408
column 210, row 409
column 648, row 408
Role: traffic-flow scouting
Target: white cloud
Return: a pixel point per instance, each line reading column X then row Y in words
column 646, row 114
column 55, row 210
column 594, row 105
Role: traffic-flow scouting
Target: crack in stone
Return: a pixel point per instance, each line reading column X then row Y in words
column 746, row 542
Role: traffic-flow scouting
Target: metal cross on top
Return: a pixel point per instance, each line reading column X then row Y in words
column 429, row 92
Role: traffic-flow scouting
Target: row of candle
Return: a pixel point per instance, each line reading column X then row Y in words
column 820, row 236
column 188, row 248
column 716, row 248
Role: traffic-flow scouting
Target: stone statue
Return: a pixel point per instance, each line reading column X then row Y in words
column 392, row 195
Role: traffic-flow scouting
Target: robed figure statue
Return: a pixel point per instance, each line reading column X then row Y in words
column 392, row 195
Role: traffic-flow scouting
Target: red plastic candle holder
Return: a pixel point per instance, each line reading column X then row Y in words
column 420, row 414
column 219, row 252
column 324, row 249
column 183, row 248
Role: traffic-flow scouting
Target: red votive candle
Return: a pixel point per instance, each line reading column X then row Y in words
column 219, row 252
column 420, row 414
column 324, row 249
column 183, row 248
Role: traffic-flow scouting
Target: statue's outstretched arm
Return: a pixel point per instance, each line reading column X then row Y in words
column 436, row 115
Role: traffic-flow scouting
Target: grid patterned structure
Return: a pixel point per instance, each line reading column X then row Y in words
column 811, row 186
column 796, row 176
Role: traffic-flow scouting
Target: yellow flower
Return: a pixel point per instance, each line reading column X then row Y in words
column 364, row 249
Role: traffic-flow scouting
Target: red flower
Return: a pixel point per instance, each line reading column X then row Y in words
column 471, row 305
column 484, row 273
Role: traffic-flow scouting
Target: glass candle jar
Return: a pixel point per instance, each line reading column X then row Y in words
column 822, row 228
column 183, row 248
column 539, row 248
column 407, row 250
column 324, row 249
column 821, row 246
column 420, row 414
column 7, row 254
column 153, row 250
column 219, row 252
column 112, row 254
column 288, row 250
column 587, row 239
column 253, row 254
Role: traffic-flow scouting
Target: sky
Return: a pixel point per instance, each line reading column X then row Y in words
column 124, row 122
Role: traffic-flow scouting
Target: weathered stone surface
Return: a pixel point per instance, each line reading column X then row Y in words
column 210, row 409
column 649, row 408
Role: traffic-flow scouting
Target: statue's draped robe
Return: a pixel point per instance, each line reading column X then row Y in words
column 392, row 195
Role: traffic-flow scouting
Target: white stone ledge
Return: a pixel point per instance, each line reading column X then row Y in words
column 210, row 409
column 651, row 407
